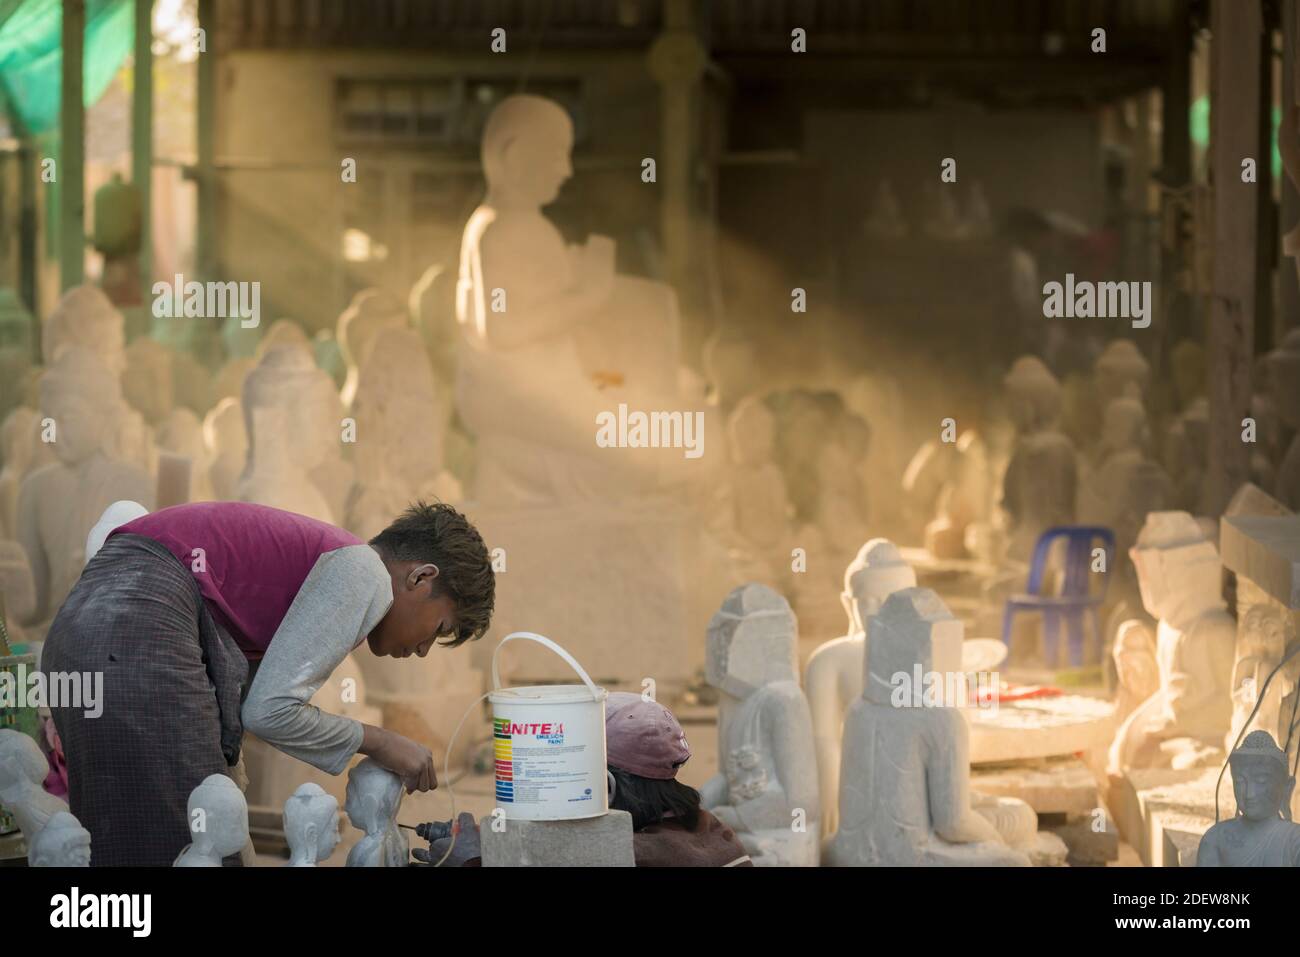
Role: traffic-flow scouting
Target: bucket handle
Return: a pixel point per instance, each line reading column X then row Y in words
column 496, row 675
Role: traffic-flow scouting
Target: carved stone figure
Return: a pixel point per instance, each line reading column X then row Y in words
column 218, row 817
column 905, row 780
column 1179, row 573
column 1261, row 834
column 311, row 825
column 766, row 790
column 373, row 798
column 63, row 842
column 833, row 676
column 23, row 767
column 58, row 504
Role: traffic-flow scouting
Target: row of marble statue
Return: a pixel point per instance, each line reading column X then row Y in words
column 1065, row 468
column 218, row 816
column 279, row 439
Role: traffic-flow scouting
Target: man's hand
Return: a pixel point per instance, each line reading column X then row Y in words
column 409, row 760
column 467, row 844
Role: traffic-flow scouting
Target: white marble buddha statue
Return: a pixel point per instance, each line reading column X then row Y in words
column 58, row 503
column 833, row 677
column 905, row 797
column 760, row 506
column 1179, row 574
column 289, row 416
column 1039, row 487
column 311, row 825
column 218, row 818
column 23, row 768
column 85, row 318
column 551, row 335
column 766, row 788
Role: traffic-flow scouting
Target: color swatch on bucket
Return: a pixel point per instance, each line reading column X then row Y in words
column 503, row 755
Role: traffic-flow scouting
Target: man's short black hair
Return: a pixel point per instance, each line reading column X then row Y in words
column 440, row 535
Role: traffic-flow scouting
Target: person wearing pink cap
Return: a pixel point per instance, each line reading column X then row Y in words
column 645, row 747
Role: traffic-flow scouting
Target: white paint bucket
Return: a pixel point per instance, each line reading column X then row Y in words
column 549, row 745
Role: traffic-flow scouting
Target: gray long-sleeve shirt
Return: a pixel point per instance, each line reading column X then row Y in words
column 344, row 596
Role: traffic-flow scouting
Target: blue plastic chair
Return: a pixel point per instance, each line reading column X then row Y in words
column 1076, row 601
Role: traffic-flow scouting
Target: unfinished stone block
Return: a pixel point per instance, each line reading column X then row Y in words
column 604, row 841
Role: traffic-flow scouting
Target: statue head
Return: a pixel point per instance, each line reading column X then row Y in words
column 752, row 641
column 63, row 842
column 527, row 141
column 1178, row 569
column 1033, row 395
column 311, row 822
column 218, row 816
column 913, row 635
column 751, row 432
column 21, row 761
column 1260, row 777
column 1119, row 366
column 148, row 385
column 373, row 796
column 875, row 573
column 84, row 398
column 85, row 318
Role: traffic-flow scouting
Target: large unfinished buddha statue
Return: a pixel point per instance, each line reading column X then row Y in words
column 905, row 796
column 289, row 406
column 766, row 788
column 833, row 677
column 551, row 335
column 57, row 504
column 1183, row 724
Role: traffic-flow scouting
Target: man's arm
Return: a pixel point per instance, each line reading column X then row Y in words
column 344, row 596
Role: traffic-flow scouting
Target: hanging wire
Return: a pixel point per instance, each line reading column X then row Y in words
column 1246, row 724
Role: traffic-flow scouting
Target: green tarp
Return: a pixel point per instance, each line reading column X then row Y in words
column 31, row 56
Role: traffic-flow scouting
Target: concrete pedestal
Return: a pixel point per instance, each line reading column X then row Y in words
column 604, row 841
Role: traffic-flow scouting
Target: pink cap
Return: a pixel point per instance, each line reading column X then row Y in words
column 643, row 737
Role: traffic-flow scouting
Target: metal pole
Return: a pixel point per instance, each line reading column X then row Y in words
column 71, row 170
column 142, row 137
